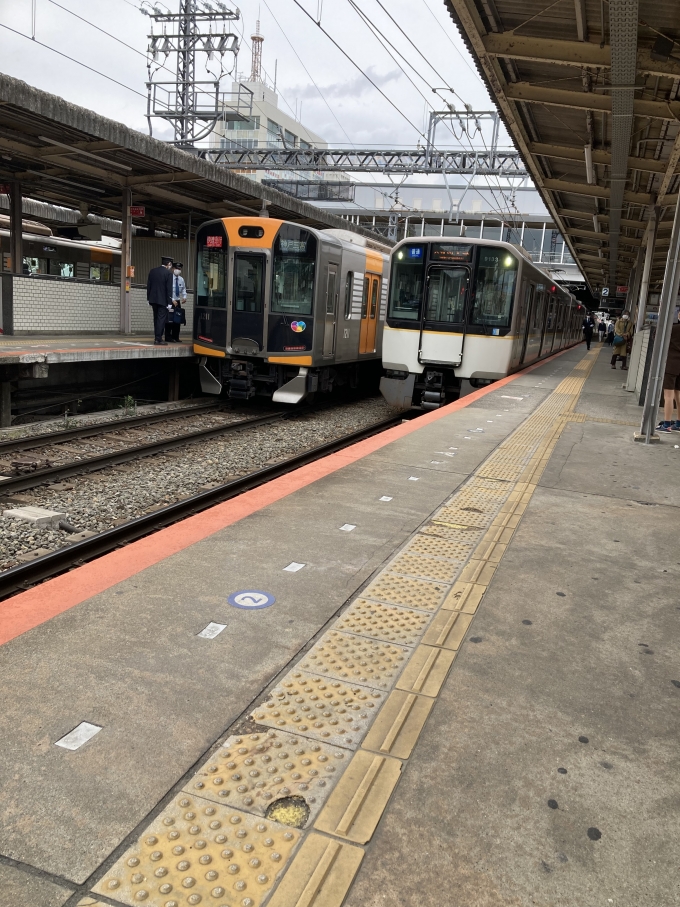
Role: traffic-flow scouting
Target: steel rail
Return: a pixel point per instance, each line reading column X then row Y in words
column 19, row 578
column 93, row 464
column 31, row 442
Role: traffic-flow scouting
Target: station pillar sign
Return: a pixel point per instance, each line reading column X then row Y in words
column 137, row 211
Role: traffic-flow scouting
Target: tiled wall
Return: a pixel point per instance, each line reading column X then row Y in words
column 55, row 305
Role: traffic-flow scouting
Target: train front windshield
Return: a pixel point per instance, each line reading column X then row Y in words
column 294, row 267
column 448, row 268
column 211, row 274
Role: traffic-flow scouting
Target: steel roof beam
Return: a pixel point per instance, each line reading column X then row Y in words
column 594, row 191
column 588, row 100
column 570, row 53
column 575, row 153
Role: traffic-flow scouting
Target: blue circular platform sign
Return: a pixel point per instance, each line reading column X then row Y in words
column 251, row 599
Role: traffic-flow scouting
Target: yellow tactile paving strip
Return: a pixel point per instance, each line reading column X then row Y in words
column 357, row 701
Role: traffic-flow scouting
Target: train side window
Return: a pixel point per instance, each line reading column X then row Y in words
column 364, row 298
column 100, row 272
column 349, row 282
column 374, row 297
column 35, row 266
column 62, row 268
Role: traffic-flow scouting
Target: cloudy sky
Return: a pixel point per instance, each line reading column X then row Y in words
column 309, row 65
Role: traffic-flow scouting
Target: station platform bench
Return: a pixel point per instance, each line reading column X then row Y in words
column 453, row 647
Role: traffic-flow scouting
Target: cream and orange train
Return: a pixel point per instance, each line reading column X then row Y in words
column 465, row 312
column 286, row 310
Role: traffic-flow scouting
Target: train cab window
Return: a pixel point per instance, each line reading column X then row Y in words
column 61, row 268
column 248, row 283
column 349, row 286
column 495, row 289
column 406, row 283
column 446, row 292
column 294, row 266
column 211, row 273
column 100, row 272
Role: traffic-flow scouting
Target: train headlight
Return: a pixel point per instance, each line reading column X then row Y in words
column 508, row 261
column 400, row 255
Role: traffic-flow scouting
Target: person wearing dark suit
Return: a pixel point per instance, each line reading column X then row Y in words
column 588, row 328
column 159, row 297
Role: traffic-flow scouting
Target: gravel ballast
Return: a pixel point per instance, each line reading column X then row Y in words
column 100, row 500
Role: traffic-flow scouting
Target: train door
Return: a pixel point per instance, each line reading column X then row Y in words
column 525, row 324
column 331, row 311
column 247, row 316
column 443, row 322
column 369, row 313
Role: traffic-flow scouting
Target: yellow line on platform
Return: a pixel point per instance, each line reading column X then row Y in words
column 433, row 586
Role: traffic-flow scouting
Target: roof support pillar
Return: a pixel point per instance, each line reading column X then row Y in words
column 125, row 263
column 16, row 247
column 669, row 295
column 649, row 255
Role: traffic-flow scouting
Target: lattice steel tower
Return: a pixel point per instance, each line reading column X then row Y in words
column 200, row 28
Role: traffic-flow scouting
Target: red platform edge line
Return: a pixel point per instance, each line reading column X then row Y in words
column 34, row 607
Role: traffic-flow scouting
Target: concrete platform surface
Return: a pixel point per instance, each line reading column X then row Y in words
column 547, row 770
column 54, row 349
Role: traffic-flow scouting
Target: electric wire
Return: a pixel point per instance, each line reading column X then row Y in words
column 498, row 208
column 72, row 59
column 443, row 79
column 369, row 79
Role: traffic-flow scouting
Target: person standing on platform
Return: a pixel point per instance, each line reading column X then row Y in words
column 623, row 336
column 601, row 328
column 588, row 328
column 159, row 297
column 671, row 384
column 610, row 332
column 176, row 316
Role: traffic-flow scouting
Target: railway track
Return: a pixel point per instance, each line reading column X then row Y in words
column 47, row 439
column 15, row 484
column 23, row 576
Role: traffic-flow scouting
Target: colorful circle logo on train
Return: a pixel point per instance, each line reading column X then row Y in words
column 297, row 326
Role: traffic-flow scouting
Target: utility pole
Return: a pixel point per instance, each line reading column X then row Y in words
column 193, row 107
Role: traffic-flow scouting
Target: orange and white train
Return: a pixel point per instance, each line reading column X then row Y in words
column 286, row 310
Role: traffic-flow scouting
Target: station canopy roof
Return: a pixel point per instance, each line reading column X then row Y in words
column 588, row 90
column 69, row 156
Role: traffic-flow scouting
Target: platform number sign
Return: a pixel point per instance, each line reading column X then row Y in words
column 251, row 599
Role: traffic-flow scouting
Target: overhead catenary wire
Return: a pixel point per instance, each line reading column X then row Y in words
column 72, row 59
column 443, row 79
column 498, row 210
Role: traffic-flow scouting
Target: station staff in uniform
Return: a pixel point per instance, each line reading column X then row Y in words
column 159, row 297
column 176, row 316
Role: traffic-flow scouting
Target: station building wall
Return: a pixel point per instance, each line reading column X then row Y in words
column 36, row 305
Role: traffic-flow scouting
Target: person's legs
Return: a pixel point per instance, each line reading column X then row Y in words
column 159, row 313
column 624, row 367
column 676, row 422
column 613, row 362
column 168, row 328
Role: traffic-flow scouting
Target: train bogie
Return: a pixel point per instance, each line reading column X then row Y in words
column 286, row 310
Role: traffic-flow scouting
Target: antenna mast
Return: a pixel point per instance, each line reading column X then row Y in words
column 256, row 67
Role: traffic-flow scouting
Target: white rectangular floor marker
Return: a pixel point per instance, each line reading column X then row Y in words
column 347, row 527
column 212, row 630
column 293, row 568
column 413, row 478
column 79, row 735
column 506, row 397
column 436, row 462
column 385, row 498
